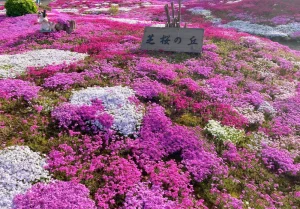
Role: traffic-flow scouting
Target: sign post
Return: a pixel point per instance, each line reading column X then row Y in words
column 173, row 39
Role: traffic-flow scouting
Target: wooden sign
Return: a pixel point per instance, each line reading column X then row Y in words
column 173, row 39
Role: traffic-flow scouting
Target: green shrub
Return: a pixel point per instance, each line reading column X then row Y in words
column 188, row 119
column 20, row 7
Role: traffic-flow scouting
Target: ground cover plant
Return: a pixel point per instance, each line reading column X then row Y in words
column 269, row 18
column 88, row 120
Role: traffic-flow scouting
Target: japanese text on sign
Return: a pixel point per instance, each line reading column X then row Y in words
column 173, row 39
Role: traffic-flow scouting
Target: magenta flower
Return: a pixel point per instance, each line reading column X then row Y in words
column 57, row 194
column 148, row 88
column 15, row 88
column 279, row 160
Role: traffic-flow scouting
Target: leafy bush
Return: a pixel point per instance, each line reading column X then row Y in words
column 20, row 7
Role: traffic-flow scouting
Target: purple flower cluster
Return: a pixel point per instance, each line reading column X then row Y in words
column 279, row 160
column 147, row 88
column 175, row 183
column 159, row 69
column 281, row 20
column 288, row 119
column 109, row 69
column 197, row 67
column 63, row 80
column 85, row 118
column 57, row 194
column 190, row 84
column 17, row 89
column 117, row 174
column 254, row 98
column 159, row 138
column 217, row 87
column 120, row 175
column 141, row 196
column 231, row 154
column 79, row 165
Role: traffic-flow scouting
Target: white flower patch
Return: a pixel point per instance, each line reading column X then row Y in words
column 12, row 65
column 252, row 115
column 281, row 31
column 267, row 108
column 264, row 67
column 19, row 169
column 286, row 89
column 206, row 13
column 106, row 10
column 200, row 11
column 262, row 30
column 146, row 4
column 127, row 20
column 290, row 143
column 68, row 10
column 233, row 2
column 127, row 116
column 2, row 11
column 289, row 28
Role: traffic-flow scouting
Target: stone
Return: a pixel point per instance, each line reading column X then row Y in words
column 173, row 39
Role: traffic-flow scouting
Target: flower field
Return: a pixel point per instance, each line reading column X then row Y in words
column 88, row 120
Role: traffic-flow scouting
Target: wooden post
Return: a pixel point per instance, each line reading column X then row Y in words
column 173, row 11
column 168, row 14
column 179, row 13
column 173, row 15
column 72, row 25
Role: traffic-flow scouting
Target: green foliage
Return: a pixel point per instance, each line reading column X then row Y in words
column 6, row 67
column 16, row 8
column 188, row 119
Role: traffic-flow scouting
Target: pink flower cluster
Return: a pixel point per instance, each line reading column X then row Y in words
column 159, row 138
column 279, row 160
column 84, row 118
column 57, row 194
column 63, row 80
column 18, row 89
column 147, row 88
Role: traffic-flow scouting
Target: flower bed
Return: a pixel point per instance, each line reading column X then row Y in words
column 91, row 121
column 12, row 65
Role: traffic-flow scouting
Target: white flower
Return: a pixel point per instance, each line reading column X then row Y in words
column 11, row 65
column 224, row 133
column 267, row 108
column 19, row 169
column 206, row 13
column 116, row 101
column 264, row 30
column 200, row 11
column 68, row 10
column 252, row 115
